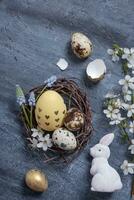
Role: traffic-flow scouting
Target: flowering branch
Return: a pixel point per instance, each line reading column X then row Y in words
column 125, row 55
column 119, row 109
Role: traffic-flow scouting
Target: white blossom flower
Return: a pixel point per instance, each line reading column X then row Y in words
column 128, row 53
column 118, row 103
column 110, row 112
column 114, row 55
column 128, row 82
column 127, row 95
column 117, row 119
column 129, row 108
column 34, row 142
column 36, row 133
column 45, row 142
column 131, row 147
column 130, row 65
column 126, row 168
column 131, row 127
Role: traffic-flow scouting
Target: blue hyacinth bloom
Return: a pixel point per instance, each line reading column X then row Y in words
column 31, row 99
column 50, row 81
column 20, row 95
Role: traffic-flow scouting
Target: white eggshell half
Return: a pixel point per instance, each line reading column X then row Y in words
column 64, row 139
column 96, row 69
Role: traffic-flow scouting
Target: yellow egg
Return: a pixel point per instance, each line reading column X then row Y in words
column 50, row 110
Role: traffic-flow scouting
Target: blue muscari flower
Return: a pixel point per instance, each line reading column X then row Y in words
column 31, row 99
column 20, row 95
column 50, row 81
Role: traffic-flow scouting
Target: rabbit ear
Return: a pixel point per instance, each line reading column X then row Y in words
column 107, row 139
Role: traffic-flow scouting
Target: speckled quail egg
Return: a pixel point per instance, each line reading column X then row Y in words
column 64, row 139
column 36, row 180
column 74, row 119
column 81, row 45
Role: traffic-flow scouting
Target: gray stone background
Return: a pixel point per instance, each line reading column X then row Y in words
column 34, row 34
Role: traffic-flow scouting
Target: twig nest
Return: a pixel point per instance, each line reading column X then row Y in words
column 36, row 180
column 46, row 110
column 74, row 119
column 96, row 70
column 81, row 45
column 64, row 139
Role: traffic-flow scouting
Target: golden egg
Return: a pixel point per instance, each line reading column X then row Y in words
column 36, row 180
column 50, row 110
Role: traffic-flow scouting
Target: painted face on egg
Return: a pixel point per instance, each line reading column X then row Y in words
column 50, row 111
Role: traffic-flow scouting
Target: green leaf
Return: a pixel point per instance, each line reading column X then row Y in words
column 125, row 67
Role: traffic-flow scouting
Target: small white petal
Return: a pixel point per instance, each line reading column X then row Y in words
column 35, row 134
column 129, row 114
column 105, row 111
column 115, row 58
column 114, row 116
column 132, row 50
column 110, row 108
column 125, row 171
column 112, row 122
column 44, row 147
column 131, row 85
column 40, row 145
column 126, row 51
column 110, row 51
column 132, row 80
column 49, row 144
column 130, row 147
column 128, row 97
column 47, row 137
column 121, row 82
column 126, row 106
column 33, row 129
column 124, row 56
column 131, row 130
column 130, row 170
column 127, row 77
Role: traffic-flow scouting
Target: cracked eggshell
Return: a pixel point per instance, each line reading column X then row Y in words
column 96, row 70
column 62, row 64
column 81, row 45
column 64, row 139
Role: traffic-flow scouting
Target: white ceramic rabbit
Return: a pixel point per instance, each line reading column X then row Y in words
column 105, row 178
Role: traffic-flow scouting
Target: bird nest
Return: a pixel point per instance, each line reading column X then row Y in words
column 73, row 97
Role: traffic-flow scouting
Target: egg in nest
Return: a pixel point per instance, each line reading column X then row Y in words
column 50, row 110
column 74, row 119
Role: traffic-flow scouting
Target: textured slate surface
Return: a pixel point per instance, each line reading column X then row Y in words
column 33, row 36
